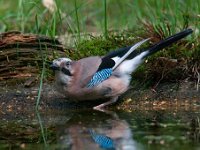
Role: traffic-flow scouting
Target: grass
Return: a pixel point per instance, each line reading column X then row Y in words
column 43, row 134
column 41, row 84
column 77, row 21
column 145, row 18
column 111, row 24
column 88, row 15
column 105, row 19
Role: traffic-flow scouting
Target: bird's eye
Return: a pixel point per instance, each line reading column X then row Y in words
column 68, row 63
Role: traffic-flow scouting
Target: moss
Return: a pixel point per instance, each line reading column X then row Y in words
column 100, row 46
column 94, row 46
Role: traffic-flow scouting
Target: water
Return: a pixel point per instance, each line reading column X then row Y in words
column 136, row 129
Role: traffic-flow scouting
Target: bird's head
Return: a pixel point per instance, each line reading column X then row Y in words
column 63, row 70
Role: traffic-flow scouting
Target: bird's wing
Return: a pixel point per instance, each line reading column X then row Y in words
column 106, row 63
column 84, row 70
column 108, row 60
column 110, row 65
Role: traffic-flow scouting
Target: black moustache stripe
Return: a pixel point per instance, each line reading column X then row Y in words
column 66, row 71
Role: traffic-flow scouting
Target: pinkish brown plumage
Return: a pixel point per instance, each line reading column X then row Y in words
column 110, row 74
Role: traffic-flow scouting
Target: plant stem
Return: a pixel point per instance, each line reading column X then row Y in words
column 41, row 128
column 41, row 84
column 105, row 20
column 21, row 14
column 77, row 21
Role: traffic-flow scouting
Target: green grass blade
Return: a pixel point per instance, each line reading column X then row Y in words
column 77, row 21
column 42, row 129
column 105, row 20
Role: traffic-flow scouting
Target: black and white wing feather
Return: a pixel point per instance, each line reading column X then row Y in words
column 108, row 68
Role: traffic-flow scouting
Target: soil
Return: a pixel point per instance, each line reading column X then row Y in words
column 20, row 99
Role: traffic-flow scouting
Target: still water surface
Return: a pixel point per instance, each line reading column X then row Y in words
column 137, row 129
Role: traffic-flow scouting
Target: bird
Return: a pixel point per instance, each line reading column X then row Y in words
column 104, row 77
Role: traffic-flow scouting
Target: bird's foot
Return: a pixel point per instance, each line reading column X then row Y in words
column 101, row 107
column 154, row 90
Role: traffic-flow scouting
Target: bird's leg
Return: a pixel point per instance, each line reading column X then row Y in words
column 100, row 107
column 111, row 113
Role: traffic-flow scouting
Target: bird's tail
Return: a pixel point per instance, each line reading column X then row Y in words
column 153, row 49
column 168, row 41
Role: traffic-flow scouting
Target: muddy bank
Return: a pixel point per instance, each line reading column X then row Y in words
column 165, row 95
column 20, row 99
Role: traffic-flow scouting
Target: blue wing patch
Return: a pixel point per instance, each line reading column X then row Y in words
column 99, row 77
column 102, row 140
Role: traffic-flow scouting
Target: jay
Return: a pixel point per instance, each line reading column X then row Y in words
column 109, row 76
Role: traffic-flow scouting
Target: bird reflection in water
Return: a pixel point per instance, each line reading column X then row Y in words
column 97, row 130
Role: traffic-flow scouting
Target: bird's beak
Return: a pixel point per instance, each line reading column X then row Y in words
column 54, row 67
